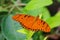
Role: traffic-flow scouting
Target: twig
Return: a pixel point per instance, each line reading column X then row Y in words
column 16, row 4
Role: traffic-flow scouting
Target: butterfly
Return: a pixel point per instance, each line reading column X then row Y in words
column 32, row 23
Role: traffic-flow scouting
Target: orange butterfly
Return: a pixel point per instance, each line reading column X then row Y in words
column 31, row 22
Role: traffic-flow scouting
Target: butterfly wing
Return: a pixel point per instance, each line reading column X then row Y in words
column 28, row 21
column 41, row 25
column 32, row 23
column 25, row 20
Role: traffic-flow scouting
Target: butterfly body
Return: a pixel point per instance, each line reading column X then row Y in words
column 32, row 23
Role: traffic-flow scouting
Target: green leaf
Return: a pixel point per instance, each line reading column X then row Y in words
column 45, row 13
column 3, row 9
column 1, row 36
column 25, row 1
column 54, row 21
column 31, row 8
column 38, row 36
column 32, row 12
column 33, row 4
column 40, row 11
column 10, row 27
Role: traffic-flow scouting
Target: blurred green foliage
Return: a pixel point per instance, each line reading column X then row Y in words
column 58, row 0
column 12, row 30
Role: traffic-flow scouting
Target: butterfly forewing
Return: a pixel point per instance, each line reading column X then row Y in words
column 28, row 22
